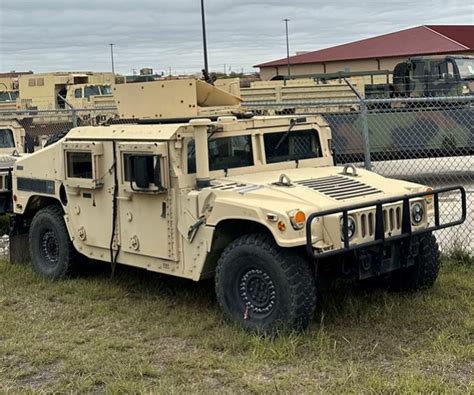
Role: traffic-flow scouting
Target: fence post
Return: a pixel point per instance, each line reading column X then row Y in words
column 74, row 117
column 365, row 135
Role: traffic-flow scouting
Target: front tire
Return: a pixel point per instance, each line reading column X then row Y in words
column 52, row 254
column 263, row 287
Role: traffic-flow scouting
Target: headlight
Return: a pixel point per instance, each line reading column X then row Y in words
column 417, row 212
column 351, row 228
column 297, row 219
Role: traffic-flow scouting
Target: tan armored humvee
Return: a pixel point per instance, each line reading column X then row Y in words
column 52, row 91
column 12, row 145
column 254, row 202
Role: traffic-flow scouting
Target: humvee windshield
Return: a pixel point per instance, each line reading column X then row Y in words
column 224, row 153
column 466, row 68
column 237, row 151
column 6, row 139
column 105, row 90
column 280, row 147
column 7, row 96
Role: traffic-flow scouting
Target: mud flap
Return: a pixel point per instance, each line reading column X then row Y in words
column 19, row 246
column 19, row 250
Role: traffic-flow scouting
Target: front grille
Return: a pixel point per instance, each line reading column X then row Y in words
column 339, row 187
column 392, row 221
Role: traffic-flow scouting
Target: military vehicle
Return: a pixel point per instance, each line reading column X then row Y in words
column 253, row 202
column 52, row 91
column 12, row 145
column 428, row 76
column 286, row 93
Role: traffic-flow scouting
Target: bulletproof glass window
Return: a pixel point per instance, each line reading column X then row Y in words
column 79, row 164
column 106, row 90
column 6, row 139
column 297, row 145
column 78, row 93
column 14, row 95
column 5, row 96
column 418, row 70
column 224, row 153
column 466, row 68
column 142, row 170
column 91, row 91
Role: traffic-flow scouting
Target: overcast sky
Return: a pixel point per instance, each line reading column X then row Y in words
column 51, row 35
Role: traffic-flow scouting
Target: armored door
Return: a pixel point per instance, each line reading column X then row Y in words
column 145, row 201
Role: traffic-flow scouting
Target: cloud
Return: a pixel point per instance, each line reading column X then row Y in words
column 74, row 35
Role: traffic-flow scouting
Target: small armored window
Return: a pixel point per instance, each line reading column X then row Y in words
column 32, row 82
column 143, row 171
column 6, row 139
column 40, row 82
column 79, row 164
column 78, row 93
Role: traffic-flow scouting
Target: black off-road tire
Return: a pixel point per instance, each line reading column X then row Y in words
column 52, row 253
column 265, row 288
column 423, row 274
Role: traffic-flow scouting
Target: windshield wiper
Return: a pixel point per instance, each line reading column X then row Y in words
column 283, row 138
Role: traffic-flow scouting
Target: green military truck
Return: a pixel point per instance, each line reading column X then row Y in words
column 428, row 76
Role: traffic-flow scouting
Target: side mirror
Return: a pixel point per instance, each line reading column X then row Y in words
column 140, row 171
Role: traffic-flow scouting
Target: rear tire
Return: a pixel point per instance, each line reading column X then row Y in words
column 52, row 254
column 423, row 274
column 263, row 287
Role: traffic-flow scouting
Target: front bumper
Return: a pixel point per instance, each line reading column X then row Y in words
column 380, row 238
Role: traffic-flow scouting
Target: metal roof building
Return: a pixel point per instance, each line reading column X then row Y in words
column 377, row 53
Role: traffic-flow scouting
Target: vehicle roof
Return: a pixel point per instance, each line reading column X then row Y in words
column 440, row 57
column 125, row 132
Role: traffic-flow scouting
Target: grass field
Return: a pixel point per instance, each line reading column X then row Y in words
column 142, row 332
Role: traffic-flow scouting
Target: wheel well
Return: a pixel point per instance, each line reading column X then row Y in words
column 225, row 233
column 36, row 203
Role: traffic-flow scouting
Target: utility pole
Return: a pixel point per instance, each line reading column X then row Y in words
column 204, row 39
column 112, row 57
column 287, row 47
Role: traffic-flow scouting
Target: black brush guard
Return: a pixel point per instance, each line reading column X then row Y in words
column 379, row 235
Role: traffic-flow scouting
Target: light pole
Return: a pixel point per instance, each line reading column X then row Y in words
column 204, row 40
column 287, row 47
column 112, row 57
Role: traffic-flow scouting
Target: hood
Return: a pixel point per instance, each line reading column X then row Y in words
column 311, row 188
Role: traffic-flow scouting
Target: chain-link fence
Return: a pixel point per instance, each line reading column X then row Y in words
column 425, row 140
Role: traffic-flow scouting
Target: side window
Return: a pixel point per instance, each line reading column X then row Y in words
column 142, row 171
column 6, row 139
column 79, row 164
column 283, row 146
column 418, row 70
column 78, row 93
column 32, row 82
column 40, row 82
column 224, row 153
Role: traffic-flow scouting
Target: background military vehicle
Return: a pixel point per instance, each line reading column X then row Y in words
column 51, row 91
column 428, row 76
column 254, row 202
column 12, row 145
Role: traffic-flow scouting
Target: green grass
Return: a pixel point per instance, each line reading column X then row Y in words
column 142, row 332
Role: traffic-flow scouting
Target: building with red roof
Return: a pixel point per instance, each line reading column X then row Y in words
column 377, row 53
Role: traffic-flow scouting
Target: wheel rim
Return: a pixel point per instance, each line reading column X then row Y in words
column 50, row 248
column 257, row 291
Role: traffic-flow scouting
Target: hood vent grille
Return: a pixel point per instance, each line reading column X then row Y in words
column 339, row 187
